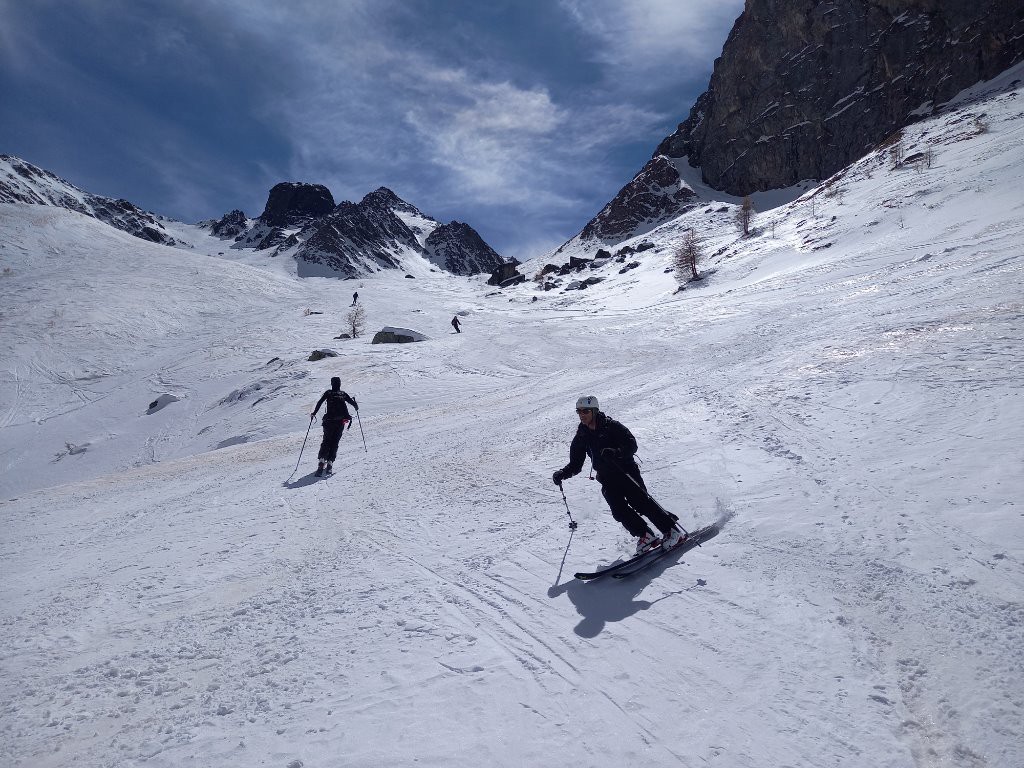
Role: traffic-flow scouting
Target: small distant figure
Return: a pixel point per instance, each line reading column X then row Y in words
column 335, row 418
column 455, row 324
column 355, row 298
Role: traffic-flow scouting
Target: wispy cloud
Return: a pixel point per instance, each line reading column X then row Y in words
column 649, row 44
column 455, row 105
column 494, row 139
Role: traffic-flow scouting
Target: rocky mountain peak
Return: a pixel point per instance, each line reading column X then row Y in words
column 656, row 194
column 458, row 248
column 293, row 203
column 383, row 198
column 382, row 231
column 359, row 237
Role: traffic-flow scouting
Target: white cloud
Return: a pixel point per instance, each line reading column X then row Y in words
column 371, row 92
column 646, row 43
column 497, row 140
column 366, row 108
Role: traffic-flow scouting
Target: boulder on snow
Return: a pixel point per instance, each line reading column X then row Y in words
column 504, row 272
column 392, row 335
column 514, row 280
column 160, row 402
column 320, row 354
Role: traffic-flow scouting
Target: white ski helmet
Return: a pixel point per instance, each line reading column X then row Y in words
column 589, row 402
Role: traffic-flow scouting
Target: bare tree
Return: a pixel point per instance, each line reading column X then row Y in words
column 686, row 256
column 744, row 215
column 355, row 320
column 897, row 153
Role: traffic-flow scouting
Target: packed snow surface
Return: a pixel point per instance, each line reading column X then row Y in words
column 841, row 392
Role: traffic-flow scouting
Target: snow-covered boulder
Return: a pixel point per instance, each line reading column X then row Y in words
column 391, row 335
column 164, row 400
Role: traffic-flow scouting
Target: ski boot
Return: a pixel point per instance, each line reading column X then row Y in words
column 646, row 543
column 673, row 538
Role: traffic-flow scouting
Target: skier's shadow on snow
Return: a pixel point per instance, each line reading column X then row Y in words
column 302, row 481
column 609, row 599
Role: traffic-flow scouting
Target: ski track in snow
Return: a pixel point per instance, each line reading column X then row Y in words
column 175, row 591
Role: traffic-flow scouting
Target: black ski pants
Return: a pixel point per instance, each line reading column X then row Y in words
column 629, row 500
column 332, row 436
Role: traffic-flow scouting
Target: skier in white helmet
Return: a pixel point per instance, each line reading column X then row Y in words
column 611, row 448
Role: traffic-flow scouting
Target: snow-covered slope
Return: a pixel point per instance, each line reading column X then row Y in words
column 22, row 182
column 842, row 391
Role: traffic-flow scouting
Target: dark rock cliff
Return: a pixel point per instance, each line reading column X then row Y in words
column 293, row 203
column 805, row 87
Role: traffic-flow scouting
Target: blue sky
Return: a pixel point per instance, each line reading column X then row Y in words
column 520, row 118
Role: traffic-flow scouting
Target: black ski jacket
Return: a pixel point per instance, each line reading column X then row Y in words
column 588, row 442
column 337, row 410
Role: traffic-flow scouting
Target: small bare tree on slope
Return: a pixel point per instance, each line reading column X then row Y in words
column 356, row 319
column 744, row 215
column 687, row 255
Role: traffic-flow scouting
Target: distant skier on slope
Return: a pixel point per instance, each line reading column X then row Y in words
column 336, row 416
column 611, row 448
column 355, row 299
column 455, row 324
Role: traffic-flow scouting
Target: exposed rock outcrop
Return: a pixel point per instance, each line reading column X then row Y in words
column 292, row 204
column 506, row 274
column 656, row 194
column 230, row 225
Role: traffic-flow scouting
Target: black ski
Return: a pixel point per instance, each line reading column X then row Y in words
column 694, row 539
column 611, row 569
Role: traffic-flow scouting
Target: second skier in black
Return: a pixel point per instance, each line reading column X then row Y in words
column 611, row 448
column 336, row 416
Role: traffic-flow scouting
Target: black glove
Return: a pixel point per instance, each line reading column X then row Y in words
column 312, row 416
column 557, row 477
column 355, row 404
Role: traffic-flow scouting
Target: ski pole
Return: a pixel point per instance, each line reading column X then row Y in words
column 303, row 444
column 572, row 523
column 360, row 423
